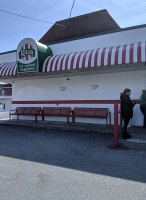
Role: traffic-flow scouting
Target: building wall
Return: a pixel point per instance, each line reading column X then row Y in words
column 79, row 88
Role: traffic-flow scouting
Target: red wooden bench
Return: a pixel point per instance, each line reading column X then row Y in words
column 31, row 111
column 102, row 113
column 57, row 112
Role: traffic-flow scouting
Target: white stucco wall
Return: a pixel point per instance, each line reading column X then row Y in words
column 78, row 88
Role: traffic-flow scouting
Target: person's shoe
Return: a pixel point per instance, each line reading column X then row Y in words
column 126, row 136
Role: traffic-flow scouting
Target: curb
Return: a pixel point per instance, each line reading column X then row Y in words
column 57, row 127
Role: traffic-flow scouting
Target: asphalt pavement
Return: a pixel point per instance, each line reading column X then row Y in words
column 39, row 164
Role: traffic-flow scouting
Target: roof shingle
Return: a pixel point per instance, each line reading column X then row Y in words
column 92, row 23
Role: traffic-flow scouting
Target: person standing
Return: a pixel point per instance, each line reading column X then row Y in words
column 126, row 111
column 143, row 106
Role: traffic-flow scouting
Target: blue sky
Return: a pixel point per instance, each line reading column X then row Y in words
column 13, row 29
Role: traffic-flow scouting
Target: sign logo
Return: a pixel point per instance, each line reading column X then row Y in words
column 26, row 52
column 27, row 56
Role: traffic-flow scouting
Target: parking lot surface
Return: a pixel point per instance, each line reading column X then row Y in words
column 37, row 164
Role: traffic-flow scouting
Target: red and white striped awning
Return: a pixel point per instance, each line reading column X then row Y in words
column 8, row 69
column 124, row 54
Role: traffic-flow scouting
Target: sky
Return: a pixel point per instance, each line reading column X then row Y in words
column 13, row 28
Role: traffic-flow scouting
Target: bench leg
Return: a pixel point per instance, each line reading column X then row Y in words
column 43, row 118
column 106, row 122
column 73, row 119
column 17, row 117
column 110, row 118
column 36, row 119
column 68, row 119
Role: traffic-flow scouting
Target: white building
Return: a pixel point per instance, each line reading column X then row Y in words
column 5, row 97
column 93, row 62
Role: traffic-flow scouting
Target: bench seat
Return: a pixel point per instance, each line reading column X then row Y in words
column 29, row 111
column 101, row 113
column 56, row 112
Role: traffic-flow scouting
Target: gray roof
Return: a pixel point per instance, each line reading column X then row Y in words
column 95, row 22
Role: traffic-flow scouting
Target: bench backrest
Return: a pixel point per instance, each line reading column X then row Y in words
column 95, row 112
column 20, row 110
column 28, row 110
column 36, row 110
column 56, row 110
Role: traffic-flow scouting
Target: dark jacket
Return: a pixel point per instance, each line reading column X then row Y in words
column 143, row 99
column 126, row 106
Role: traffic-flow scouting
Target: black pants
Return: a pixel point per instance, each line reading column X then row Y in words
column 126, row 122
column 143, row 110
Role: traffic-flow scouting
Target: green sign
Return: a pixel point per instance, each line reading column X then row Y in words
column 27, row 56
column 32, row 67
column 31, row 56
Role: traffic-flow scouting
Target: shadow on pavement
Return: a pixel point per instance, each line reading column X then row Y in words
column 75, row 150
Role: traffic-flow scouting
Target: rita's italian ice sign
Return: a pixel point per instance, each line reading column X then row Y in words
column 27, row 56
column 26, row 52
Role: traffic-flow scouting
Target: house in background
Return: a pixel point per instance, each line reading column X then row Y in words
column 5, row 97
